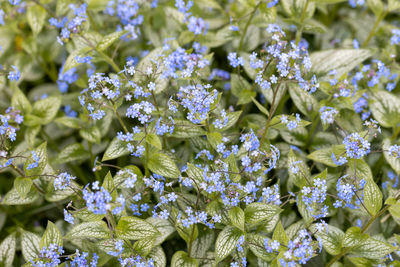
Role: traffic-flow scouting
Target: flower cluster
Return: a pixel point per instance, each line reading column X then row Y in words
column 70, row 26
column 314, row 197
column 11, row 116
column 348, row 192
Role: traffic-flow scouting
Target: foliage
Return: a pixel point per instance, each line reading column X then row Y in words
column 199, row 133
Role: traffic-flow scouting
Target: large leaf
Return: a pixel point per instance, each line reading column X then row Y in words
column 36, row 16
column 236, row 215
column 385, row 108
column 115, row 149
column 186, row 129
column 331, row 239
column 7, row 250
column 182, row 259
column 51, row 236
column 109, row 39
column 163, row 165
column 97, row 229
column 226, row 242
column 372, row 249
column 134, row 228
column 258, row 212
column 46, row 109
column 393, row 161
column 72, row 152
column 372, row 197
column 30, row 245
column 343, row 60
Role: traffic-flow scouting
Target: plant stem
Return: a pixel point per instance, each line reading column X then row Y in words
column 302, row 18
column 121, row 121
column 247, row 26
column 271, row 112
column 373, row 30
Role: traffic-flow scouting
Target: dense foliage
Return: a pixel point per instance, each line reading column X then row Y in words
column 199, row 133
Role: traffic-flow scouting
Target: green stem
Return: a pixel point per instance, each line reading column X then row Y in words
column 302, row 18
column 247, row 25
column 191, row 241
column 396, row 132
column 121, row 121
column 109, row 61
column 271, row 111
column 374, row 28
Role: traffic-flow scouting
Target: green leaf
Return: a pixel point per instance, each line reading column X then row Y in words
column 372, row 249
column 236, row 215
column 92, row 134
column 233, row 117
column 362, row 169
column 154, row 140
column 97, row 229
column 41, row 152
column 51, row 236
column 372, row 197
column 46, row 109
column 226, row 242
column 7, row 250
column 187, row 233
column 36, row 16
column 71, row 62
column 23, row 186
column 134, row 228
column 164, row 227
column 280, row 235
column 329, row 1
column 158, row 255
column 353, row 237
column 20, row 102
column 343, row 60
column 13, row 198
column 115, row 149
column 186, row 129
column 69, row 122
column 256, row 245
column 204, row 241
column 304, row 101
column 72, row 152
column 331, row 239
column 258, row 212
column 324, row 155
column 163, row 165
column 195, row 173
column 376, row 6
column 108, row 184
column 393, row 161
column 181, row 259
column 109, row 39
column 385, row 108
column 214, row 138
column 144, row 246
column 241, row 89
column 260, row 107
column 299, row 178
column 30, row 245
column 395, row 209
column 393, row 5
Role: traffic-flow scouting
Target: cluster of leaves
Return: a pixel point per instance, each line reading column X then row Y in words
column 199, row 133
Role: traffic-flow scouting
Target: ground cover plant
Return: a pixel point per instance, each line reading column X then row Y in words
column 199, row 133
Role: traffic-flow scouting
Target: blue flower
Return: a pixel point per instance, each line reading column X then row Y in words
column 62, row 181
column 35, row 162
column 14, row 75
